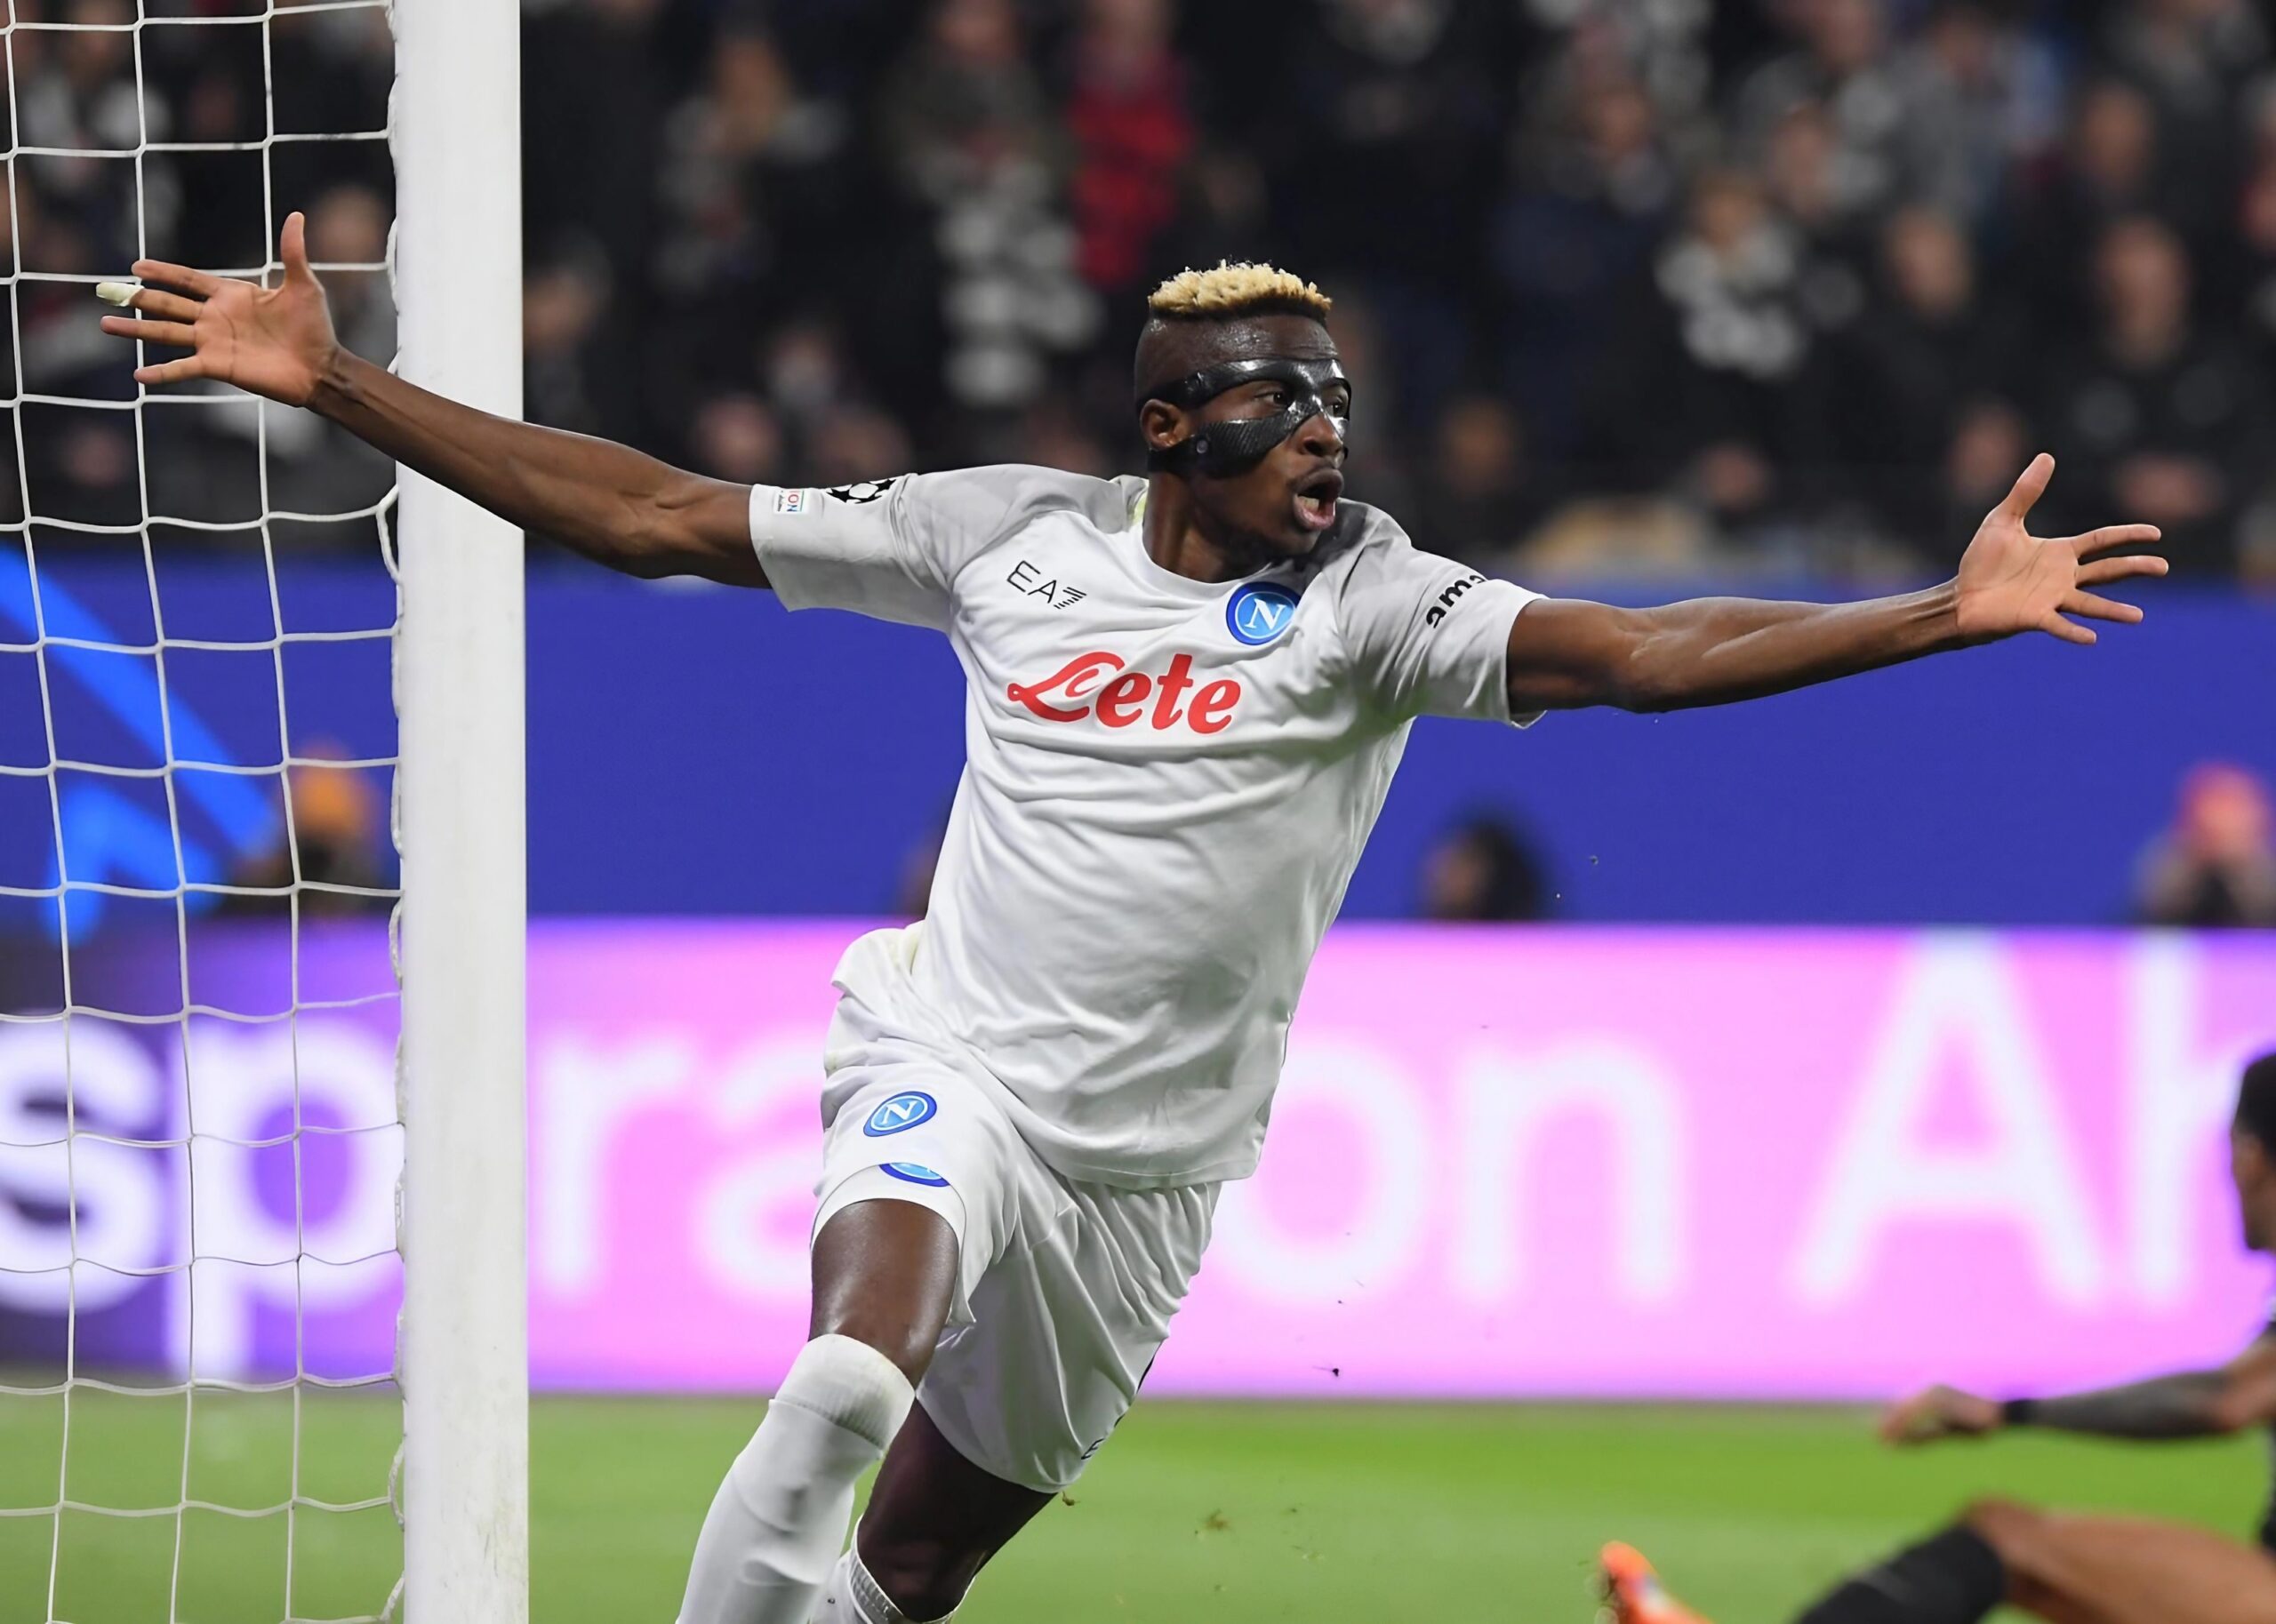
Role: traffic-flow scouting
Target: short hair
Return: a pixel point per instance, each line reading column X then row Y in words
column 2257, row 1102
column 1227, row 290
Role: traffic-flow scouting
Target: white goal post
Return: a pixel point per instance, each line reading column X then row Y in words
column 464, row 1352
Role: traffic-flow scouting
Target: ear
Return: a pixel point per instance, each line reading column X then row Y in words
column 1163, row 425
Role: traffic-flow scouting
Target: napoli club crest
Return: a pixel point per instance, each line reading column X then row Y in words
column 1260, row 613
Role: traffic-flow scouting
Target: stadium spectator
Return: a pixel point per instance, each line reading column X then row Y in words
column 2164, row 419
column 2193, row 60
column 336, row 835
column 2247, row 270
column 1595, row 184
column 1704, row 391
column 1990, row 437
column 2111, row 167
column 1480, row 498
column 1979, row 95
column 1482, row 871
column 1126, row 114
column 565, row 297
column 1391, row 116
column 1928, row 344
column 1844, row 66
column 736, row 438
column 972, row 135
column 2216, row 865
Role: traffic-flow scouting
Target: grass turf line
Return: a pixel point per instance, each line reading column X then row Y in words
column 1234, row 1512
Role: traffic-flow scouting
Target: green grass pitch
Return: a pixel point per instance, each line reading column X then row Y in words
column 1234, row 1512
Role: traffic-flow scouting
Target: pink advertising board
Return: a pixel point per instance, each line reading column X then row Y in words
column 1504, row 1163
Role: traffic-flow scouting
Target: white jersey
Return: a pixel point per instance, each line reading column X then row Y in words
column 1167, row 787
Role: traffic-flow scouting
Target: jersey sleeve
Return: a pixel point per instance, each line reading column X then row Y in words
column 1428, row 636
column 889, row 548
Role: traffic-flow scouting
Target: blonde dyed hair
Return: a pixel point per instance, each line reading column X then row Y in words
column 1229, row 290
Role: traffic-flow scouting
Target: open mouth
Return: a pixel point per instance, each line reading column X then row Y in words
column 1314, row 499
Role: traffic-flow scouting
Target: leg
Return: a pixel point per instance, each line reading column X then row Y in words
column 1066, row 1322
column 1954, row 1577
column 2099, row 1570
column 884, row 1272
column 933, row 1521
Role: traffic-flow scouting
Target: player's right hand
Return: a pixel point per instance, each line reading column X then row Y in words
column 1939, row 1413
column 273, row 341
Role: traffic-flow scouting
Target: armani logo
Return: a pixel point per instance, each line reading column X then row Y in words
column 1030, row 582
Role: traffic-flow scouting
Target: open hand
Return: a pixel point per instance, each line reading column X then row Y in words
column 1941, row 1412
column 276, row 343
column 2012, row 581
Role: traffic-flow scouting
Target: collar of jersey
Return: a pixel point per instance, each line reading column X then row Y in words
column 1184, row 585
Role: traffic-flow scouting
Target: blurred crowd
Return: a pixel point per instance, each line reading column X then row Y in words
column 1630, row 288
column 2212, row 867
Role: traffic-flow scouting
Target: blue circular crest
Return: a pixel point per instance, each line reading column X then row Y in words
column 1259, row 612
column 900, row 1114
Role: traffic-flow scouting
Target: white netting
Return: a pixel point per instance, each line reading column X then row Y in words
column 200, row 1138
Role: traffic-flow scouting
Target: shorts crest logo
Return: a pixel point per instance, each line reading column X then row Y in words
column 914, row 1172
column 900, row 1114
column 1259, row 613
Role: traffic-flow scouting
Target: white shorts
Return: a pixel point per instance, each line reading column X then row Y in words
column 1064, row 1290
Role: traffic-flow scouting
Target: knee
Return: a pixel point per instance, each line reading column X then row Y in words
column 923, row 1579
column 886, row 1331
column 2011, row 1529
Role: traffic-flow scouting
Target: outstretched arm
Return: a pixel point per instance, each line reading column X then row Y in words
column 1565, row 653
column 2185, row 1404
column 613, row 504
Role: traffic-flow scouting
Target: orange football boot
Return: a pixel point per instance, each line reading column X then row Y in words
column 1633, row 1591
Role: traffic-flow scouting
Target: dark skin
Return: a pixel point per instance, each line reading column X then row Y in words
column 2088, row 1569
column 2091, row 1569
column 2199, row 1403
column 883, row 1270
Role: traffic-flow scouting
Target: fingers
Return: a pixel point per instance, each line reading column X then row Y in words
column 2054, row 626
column 1905, row 1421
column 167, row 306
column 2103, row 571
column 2101, row 608
column 179, row 334
column 198, row 282
column 293, row 245
column 184, row 371
column 2114, row 535
column 2029, row 488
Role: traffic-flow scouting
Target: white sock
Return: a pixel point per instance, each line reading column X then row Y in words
column 853, row 1597
column 779, row 1520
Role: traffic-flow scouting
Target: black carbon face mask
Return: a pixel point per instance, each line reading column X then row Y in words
column 1223, row 450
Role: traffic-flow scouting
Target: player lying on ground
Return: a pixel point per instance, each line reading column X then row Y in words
column 1186, row 695
column 2072, row 1569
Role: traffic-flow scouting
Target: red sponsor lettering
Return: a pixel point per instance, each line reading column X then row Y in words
column 1071, row 681
column 1097, row 683
column 1176, row 681
column 1213, row 707
column 1122, row 701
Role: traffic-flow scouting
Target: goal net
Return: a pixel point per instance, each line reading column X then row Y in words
column 261, row 1326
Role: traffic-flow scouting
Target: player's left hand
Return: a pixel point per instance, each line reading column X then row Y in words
column 2013, row 581
column 1939, row 1413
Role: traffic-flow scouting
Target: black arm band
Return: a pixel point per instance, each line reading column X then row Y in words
column 2018, row 1412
